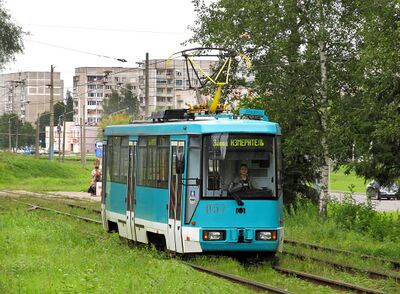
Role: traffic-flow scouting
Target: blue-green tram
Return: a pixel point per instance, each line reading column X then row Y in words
column 171, row 183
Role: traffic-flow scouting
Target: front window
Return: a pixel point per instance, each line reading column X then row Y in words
column 239, row 166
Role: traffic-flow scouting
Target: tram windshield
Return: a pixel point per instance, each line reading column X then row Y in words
column 239, row 166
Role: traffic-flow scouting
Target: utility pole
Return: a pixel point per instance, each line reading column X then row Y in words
column 83, row 135
column 59, row 138
column 51, row 147
column 63, row 148
column 9, row 131
column 146, row 89
column 16, row 136
column 84, row 132
column 9, row 134
column 37, row 138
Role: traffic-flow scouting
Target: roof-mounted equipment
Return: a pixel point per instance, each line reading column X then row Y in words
column 171, row 114
column 253, row 114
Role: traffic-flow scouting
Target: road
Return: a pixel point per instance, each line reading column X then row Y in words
column 379, row 205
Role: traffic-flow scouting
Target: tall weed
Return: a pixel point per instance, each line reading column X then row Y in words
column 362, row 218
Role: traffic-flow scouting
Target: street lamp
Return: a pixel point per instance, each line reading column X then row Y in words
column 9, row 131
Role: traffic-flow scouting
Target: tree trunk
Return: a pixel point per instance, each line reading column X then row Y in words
column 324, row 194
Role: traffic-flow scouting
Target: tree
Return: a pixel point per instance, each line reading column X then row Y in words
column 24, row 131
column 303, row 55
column 125, row 99
column 44, row 120
column 375, row 120
column 115, row 119
column 70, row 106
column 10, row 37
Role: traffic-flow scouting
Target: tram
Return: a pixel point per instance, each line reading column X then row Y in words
column 171, row 182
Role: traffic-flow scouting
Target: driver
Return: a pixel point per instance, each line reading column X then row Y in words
column 244, row 179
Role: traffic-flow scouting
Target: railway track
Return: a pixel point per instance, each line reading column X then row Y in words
column 350, row 269
column 394, row 263
column 33, row 206
column 325, row 281
column 248, row 283
column 45, row 197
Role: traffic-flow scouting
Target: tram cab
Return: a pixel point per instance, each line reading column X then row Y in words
column 178, row 184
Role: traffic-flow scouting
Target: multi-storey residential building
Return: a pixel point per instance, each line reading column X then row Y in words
column 168, row 87
column 92, row 85
column 169, row 83
column 28, row 93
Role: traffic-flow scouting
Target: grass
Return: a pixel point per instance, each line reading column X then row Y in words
column 387, row 286
column 45, row 253
column 304, row 224
column 19, row 172
column 340, row 181
column 261, row 273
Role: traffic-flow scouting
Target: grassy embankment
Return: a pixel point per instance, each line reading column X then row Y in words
column 24, row 172
column 41, row 252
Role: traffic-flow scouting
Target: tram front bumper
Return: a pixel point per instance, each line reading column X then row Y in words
column 238, row 239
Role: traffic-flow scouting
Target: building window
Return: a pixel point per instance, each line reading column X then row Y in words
column 161, row 81
column 94, row 78
column 99, row 95
column 178, row 82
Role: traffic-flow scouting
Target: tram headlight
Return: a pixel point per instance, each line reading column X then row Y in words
column 213, row 235
column 266, row 235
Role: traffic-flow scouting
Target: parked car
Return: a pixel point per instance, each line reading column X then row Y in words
column 377, row 191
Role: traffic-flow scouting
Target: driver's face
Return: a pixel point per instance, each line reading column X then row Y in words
column 244, row 170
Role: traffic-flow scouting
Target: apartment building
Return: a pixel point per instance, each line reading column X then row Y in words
column 169, row 83
column 92, row 85
column 168, row 87
column 28, row 93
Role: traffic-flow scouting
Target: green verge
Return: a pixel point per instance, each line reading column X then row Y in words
column 41, row 252
column 24, row 172
column 340, row 181
column 353, row 227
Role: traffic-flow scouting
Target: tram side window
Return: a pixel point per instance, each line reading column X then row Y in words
column 162, row 162
column 118, row 159
column 153, row 162
column 115, row 158
column 124, row 159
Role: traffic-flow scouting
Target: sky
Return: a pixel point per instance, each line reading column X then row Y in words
column 119, row 29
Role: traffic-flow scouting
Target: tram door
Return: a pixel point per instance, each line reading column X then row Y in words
column 177, row 159
column 131, row 199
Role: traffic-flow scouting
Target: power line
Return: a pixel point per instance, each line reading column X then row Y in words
column 79, row 51
column 107, row 29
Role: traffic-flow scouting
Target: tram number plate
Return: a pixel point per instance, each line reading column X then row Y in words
column 215, row 208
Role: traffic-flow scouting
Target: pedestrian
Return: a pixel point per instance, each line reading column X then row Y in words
column 96, row 177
